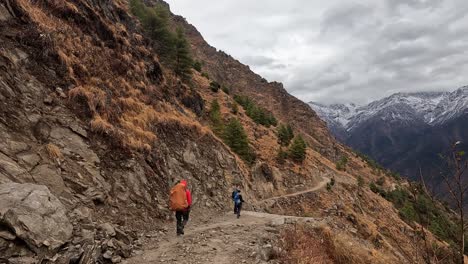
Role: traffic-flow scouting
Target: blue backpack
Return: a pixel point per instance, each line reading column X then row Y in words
column 237, row 199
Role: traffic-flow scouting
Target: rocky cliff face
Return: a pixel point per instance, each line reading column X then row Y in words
column 95, row 127
column 47, row 140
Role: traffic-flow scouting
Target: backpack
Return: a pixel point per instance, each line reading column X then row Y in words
column 178, row 198
column 234, row 193
column 237, row 198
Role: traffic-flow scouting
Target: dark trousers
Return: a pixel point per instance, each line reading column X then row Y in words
column 237, row 209
column 182, row 219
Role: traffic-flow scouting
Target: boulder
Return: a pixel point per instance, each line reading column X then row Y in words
column 107, row 228
column 34, row 215
column 48, row 175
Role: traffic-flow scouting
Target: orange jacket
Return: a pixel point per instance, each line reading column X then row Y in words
column 189, row 197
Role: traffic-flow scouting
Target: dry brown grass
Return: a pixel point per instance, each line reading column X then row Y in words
column 53, row 151
column 110, row 81
column 303, row 245
column 99, row 125
column 94, row 96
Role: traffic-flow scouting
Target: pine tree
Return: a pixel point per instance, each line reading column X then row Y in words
column 285, row 134
column 236, row 138
column 297, row 150
column 290, row 132
column 215, row 118
column 183, row 60
column 172, row 48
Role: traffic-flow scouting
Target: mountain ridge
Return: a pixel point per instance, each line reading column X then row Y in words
column 433, row 107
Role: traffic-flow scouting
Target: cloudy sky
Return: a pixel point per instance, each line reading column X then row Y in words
column 341, row 50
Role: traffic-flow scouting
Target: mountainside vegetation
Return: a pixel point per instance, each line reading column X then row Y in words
column 105, row 105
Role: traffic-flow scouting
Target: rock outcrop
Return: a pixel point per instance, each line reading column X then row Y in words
column 33, row 215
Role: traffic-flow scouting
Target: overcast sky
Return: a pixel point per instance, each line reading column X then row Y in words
column 341, row 50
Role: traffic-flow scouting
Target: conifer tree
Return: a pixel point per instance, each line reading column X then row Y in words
column 182, row 59
column 172, row 48
column 297, row 150
column 285, row 134
column 236, row 138
column 215, row 118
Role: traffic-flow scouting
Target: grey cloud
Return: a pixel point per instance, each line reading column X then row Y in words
column 345, row 16
column 405, row 30
column 339, row 50
column 257, row 60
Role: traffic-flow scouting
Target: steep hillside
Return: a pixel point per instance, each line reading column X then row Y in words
column 96, row 128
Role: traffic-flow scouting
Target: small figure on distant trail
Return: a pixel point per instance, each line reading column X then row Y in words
column 233, row 195
column 238, row 201
column 180, row 202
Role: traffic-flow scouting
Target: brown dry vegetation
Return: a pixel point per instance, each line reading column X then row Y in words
column 109, row 72
column 304, row 245
column 53, row 151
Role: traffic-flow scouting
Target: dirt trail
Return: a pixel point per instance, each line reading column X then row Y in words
column 319, row 186
column 224, row 239
column 221, row 239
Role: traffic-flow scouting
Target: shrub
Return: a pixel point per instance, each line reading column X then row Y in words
column 225, row 89
column 297, row 150
column 329, row 186
column 204, row 74
column 376, row 189
column 214, row 86
column 256, row 113
column 197, row 65
column 380, row 181
column 341, row 164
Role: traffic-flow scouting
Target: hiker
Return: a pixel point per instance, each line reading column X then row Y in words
column 180, row 202
column 233, row 195
column 238, row 201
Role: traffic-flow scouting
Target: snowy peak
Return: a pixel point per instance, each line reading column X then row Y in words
column 429, row 107
column 336, row 113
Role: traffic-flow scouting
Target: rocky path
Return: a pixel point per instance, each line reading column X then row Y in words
column 319, row 186
column 222, row 238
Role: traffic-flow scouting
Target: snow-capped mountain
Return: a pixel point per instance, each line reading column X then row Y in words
column 404, row 131
column 431, row 107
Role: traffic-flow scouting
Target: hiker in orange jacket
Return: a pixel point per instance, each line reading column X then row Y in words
column 180, row 202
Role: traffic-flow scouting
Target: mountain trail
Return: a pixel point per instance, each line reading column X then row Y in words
column 319, row 186
column 222, row 238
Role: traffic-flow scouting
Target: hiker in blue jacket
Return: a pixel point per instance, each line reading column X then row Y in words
column 233, row 195
column 238, row 201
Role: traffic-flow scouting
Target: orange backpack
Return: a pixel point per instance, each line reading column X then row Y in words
column 178, row 198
